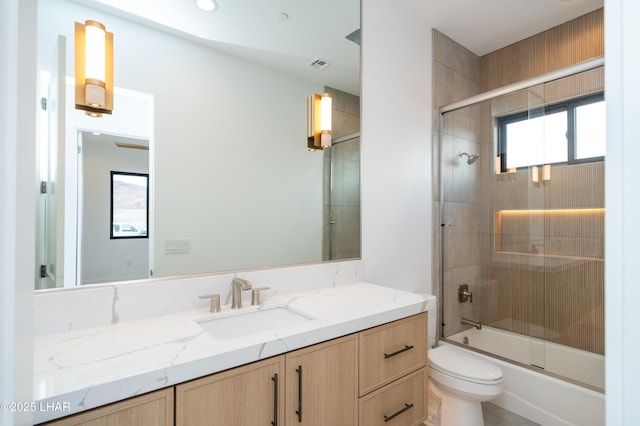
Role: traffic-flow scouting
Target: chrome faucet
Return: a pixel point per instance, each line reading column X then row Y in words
column 237, row 285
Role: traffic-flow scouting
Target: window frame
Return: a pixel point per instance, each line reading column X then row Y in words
column 570, row 107
column 111, row 204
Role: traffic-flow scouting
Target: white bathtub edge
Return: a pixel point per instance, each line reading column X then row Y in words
column 547, row 400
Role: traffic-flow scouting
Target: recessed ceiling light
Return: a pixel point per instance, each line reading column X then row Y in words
column 207, row 5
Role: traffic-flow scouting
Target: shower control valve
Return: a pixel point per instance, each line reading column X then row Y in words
column 464, row 294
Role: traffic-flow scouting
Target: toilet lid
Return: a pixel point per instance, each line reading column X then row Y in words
column 458, row 363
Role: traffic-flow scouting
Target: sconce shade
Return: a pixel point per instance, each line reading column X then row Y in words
column 546, row 172
column 93, row 68
column 319, row 121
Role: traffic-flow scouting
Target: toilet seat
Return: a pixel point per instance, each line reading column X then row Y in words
column 463, row 366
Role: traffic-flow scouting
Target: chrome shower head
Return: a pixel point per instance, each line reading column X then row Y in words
column 471, row 158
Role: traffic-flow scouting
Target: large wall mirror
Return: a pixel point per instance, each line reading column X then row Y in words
column 212, row 106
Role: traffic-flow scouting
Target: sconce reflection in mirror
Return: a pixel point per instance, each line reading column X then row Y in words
column 319, row 121
column 93, row 68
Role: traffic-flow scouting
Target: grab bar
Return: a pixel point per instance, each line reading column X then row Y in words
column 476, row 324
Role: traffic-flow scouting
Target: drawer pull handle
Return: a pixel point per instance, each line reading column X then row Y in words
column 406, row 348
column 299, row 410
column 407, row 407
column 275, row 400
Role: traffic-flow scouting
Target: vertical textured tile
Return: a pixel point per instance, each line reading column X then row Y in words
column 575, row 41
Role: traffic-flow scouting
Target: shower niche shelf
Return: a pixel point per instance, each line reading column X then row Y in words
column 573, row 234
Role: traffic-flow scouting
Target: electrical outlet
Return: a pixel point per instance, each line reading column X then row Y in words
column 177, row 246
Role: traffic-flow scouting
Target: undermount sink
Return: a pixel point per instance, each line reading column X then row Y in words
column 241, row 324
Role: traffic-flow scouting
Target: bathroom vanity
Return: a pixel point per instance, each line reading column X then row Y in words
column 359, row 358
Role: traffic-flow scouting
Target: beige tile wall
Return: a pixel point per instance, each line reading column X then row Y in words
column 456, row 76
column 575, row 41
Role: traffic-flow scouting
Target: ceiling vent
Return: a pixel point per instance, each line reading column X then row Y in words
column 319, row 63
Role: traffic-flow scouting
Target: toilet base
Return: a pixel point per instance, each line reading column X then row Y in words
column 458, row 412
column 449, row 409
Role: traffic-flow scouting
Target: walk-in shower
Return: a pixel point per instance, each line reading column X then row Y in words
column 523, row 228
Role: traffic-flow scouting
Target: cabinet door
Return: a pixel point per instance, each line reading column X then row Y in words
column 322, row 384
column 155, row 408
column 247, row 396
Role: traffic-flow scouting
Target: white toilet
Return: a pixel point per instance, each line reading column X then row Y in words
column 462, row 381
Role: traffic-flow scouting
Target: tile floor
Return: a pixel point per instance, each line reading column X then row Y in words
column 498, row 416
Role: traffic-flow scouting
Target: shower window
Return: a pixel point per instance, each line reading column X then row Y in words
column 566, row 133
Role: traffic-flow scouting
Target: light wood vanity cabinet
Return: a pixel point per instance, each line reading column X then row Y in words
column 374, row 377
column 322, row 384
column 152, row 409
column 249, row 395
column 311, row 386
column 392, row 372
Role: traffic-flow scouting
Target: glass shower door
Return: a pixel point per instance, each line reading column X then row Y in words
column 523, row 226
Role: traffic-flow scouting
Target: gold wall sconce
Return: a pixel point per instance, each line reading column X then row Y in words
column 319, row 121
column 93, row 68
column 542, row 173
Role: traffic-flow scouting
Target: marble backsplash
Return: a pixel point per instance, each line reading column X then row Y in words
column 63, row 310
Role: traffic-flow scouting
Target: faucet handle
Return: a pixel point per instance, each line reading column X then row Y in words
column 255, row 295
column 215, row 301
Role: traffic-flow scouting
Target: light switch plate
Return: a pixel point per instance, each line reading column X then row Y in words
column 177, row 246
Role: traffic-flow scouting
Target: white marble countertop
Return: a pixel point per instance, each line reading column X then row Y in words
column 84, row 369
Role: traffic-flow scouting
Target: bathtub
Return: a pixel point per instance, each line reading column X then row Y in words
column 540, row 397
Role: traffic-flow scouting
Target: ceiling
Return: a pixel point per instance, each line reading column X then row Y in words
column 120, row 141
column 258, row 30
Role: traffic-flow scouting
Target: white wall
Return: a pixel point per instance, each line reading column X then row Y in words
column 396, row 147
column 17, row 202
column 622, row 175
column 225, row 176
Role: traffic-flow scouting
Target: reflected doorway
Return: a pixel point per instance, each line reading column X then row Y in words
column 101, row 256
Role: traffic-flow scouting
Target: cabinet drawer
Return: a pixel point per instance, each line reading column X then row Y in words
column 390, row 351
column 401, row 403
